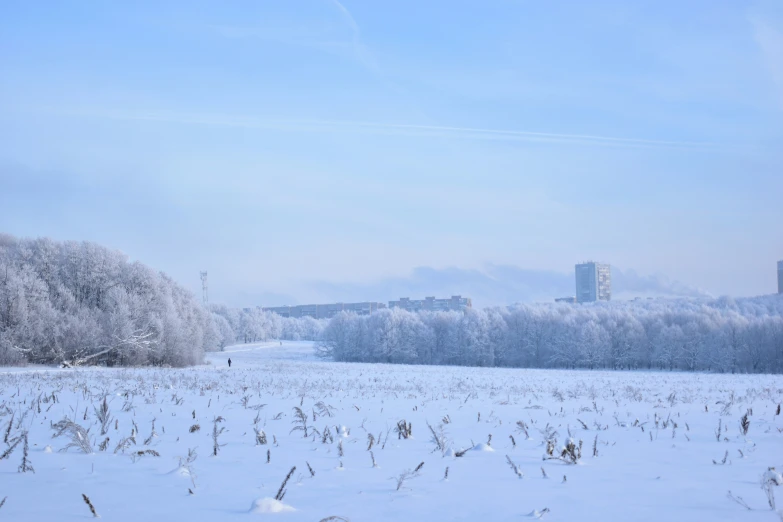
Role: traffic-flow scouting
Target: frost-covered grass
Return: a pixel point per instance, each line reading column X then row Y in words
column 381, row 442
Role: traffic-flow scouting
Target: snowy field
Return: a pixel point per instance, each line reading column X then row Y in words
column 654, row 446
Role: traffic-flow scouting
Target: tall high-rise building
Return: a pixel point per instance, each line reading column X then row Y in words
column 780, row 277
column 593, row 282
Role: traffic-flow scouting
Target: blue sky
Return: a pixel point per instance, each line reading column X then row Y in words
column 289, row 146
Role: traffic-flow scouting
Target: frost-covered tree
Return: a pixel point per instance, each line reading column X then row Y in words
column 250, row 325
column 723, row 335
column 76, row 303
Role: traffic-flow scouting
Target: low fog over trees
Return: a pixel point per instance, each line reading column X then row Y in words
column 721, row 335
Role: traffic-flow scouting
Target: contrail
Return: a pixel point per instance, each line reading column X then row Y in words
column 359, row 126
column 503, row 132
column 349, row 18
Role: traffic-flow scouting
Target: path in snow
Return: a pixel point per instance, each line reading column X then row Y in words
column 253, row 354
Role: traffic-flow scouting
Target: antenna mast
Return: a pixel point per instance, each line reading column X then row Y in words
column 204, row 291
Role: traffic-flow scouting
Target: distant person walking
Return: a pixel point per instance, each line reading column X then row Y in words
column 229, row 362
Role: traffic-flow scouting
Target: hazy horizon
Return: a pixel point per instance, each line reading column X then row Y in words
column 490, row 285
column 300, row 153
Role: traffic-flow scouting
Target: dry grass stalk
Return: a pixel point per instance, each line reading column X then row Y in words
column 89, row 504
column 125, row 444
column 324, row 410
column 438, row 438
column 103, row 415
column 739, row 500
column 10, row 449
column 403, row 477
column 300, row 420
column 768, row 480
column 282, row 491
column 150, row 452
column 514, row 467
column 8, row 429
column 153, row 434
column 550, row 448
column 403, row 429
column 25, row 466
column 521, row 426
column 722, row 462
column 216, row 434
column 79, row 437
column 744, row 424
column 260, row 437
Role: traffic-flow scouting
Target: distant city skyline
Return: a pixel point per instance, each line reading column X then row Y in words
column 312, row 151
column 493, row 285
column 433, row 304
column 323, row 310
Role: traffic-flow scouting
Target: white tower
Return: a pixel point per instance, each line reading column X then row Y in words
column 204, row 292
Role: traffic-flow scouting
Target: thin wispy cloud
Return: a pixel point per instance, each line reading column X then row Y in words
column 361, row 51
column 349, row 18
column 310, row 37
column 288, row 36
column 770, row 42
column 403, row 129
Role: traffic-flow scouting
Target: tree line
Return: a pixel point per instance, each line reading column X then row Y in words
column 721, row 335
column 250, row 325
column 76, row 303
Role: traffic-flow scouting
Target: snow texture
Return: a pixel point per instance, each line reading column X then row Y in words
column 269, row 505
column 667, row 445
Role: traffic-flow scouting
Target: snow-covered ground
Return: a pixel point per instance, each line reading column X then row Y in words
column 656, row 437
